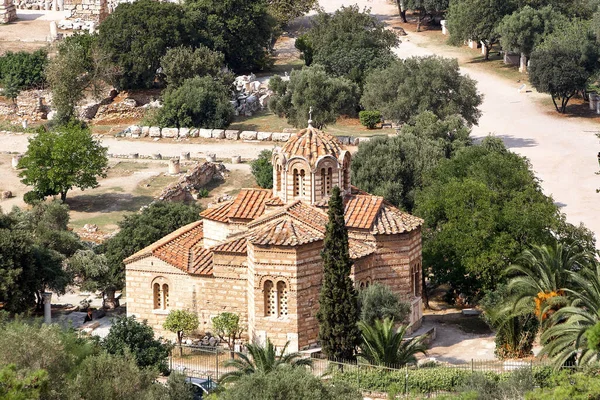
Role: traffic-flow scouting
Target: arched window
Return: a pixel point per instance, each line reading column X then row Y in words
column 165, row 294
column 282, row 295
column 270, row 299
column 278, row 187
column 157, row 297
column 323, row 183
column 329, row 180
column 296, row 186
column 301, row 183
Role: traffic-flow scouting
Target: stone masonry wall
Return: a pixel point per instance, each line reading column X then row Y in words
column 310, row 276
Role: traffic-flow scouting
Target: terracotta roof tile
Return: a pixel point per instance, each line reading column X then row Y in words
column 238, row 245
column 311, row 144
column 391, row 220
column 298, row 210
column 284, row 232
column 201, row 261
column 219, row 213
column 274, row 202
column 359, row 249
column 361, row 211
column 196, row 229
column 249, row 203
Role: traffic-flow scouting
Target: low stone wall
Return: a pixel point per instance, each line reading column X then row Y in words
column 136, row 131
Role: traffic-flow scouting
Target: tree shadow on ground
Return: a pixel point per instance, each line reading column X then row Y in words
column 107, row 202
column 513, row 142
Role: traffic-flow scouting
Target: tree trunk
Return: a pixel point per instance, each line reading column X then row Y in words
column 110, row 301
column 179, row 340
column 401, row 10
column 63, row 196
column 554, row 101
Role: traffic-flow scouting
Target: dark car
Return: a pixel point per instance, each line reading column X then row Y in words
column 201, row 386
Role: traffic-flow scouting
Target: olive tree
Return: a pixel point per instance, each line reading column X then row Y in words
column 181, row 322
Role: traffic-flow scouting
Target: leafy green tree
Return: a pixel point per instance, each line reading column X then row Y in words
column 138, row 34
column 79, row 66
column 198, row 102
column 181, row 63
column 383, row 345
column 379, row 302
column 477, row 20
column 394, row 167
column 338, row 310
column 94, row 274
column 399, row 93
column 57, row 161
column 312, row 87
column 17, row 385
column 482, row 208
column 289, row 384
column 22, row 70
column 120, row 379
column 139, row 230
column 262, row 169
column 242, row 30
column 285, row 11
column 369, row 119
column 228, row 327
column 425, row 8
column 526, row 28
column 127, row 335
column 262, row 360
column 563, row 64
column 567, row 340
column 181, row 322
column 348, row 43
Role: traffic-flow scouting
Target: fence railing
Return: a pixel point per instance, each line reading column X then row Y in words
column 208, row 362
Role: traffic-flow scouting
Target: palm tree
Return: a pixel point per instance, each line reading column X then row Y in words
column 262, row 359
column 542, row 274
column 383, row 345
column 567, row 339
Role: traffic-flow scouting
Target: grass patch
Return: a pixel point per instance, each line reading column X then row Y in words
column 154, row 185
column 105, row 222
column 262, row 121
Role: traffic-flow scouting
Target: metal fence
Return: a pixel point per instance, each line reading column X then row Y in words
column 208, row 362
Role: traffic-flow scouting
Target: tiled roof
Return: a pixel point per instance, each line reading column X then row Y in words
column 311, row 144
column 232, row 246
column 274, row 202
column 249, row 203
column 218, row 213
column 361, row 211
column 298, row 210
column 359, row 249
column 182, row 249
column 284, row 232
column 390, row 220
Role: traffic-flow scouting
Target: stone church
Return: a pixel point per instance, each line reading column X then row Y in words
column 258, row 255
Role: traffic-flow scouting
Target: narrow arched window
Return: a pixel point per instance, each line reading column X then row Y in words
column 270, row 299
column 296, row 186
column 323, row 183
column 301, row 183
column 157, row 296
column 165, row 295
column 329, row 180
column 282, row 295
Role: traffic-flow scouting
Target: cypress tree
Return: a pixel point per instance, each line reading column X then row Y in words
column 338, row 312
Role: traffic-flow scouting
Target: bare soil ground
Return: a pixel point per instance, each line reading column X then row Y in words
column 29, row 32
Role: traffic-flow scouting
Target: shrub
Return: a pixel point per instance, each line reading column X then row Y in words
column 369, row 118
column 22, row 69
column 378, row 302
column 198, row 102
column 32, row 197
column 262, row 169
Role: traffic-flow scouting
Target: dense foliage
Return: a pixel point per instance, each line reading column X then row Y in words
column 289, row 384
column 22, row 70
column 262, row 169
column 338, row 311
column 348, row 43
column 378, row 302
column 481, row 209
column 34, row 245
column 181, row 63
column 369, row 119
column 383, row 344
column 285, row 11
column 182, row 323
column 409, row 87
column 328, row 96
column 59, row 160
column 198, row 102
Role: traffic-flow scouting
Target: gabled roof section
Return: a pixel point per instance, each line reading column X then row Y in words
column 218, row 213
column 299, row 211
column 359, row 249
column 249, row 203
column 274, row 202
column 284, row 231
column 361, row 211
column 238, row 245
column 391, row 220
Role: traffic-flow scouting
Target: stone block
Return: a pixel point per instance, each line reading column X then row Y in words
column 345, row 140
column 248, row 135
column 194, row 132
column 232, row 134
column 170, row 132
column 206, row 133
column 145, row 131
column 136, row 130
column 354, row 141
column 154, row 131
column 184, row 132
column 280, row 136
column 217, row 134
column 264, row 136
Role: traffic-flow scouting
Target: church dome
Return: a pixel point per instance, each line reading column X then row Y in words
column 311, row 144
